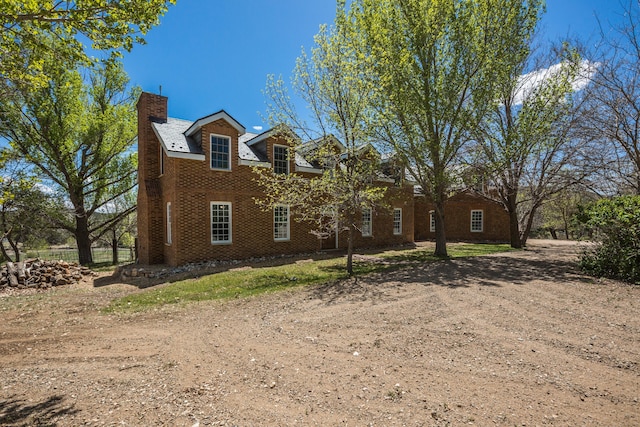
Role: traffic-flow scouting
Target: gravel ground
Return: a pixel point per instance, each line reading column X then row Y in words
column 510, row 339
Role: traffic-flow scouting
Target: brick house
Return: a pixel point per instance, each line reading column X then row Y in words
column 468, row 217
column 196, row 191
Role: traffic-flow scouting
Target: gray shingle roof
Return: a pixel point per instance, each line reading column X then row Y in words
column 247, row 153
column 302, row 162
column 171, row 135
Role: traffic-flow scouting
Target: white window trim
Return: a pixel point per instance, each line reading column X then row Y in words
column 397, row 232
column 211, row 151
column 370, row 231
column 282, row 239
column 169, row 215
column 432, row 221
column 221, row 242
column 274, row 157
column 481, row 221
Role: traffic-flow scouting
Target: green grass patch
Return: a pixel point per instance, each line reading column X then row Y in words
column 243, row 283
column 454, row 250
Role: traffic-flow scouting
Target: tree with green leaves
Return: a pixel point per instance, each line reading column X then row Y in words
column 526, row 149
column 437, row 64
column 31, row 29
column 25, row 209
column 337, row 135
column 78, row 136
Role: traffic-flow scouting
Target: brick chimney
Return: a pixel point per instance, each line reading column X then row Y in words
column 151, row 108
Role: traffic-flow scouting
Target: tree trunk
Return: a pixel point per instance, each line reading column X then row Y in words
column 6, row 236
column 554, row 235
column 514, row 225
column 514, row 230
column 12, row 273
column 565, row 219
column 441, row 237
column 5, row 254
column 527, row 228
column 15, row 248
column 350, row 251
column 114, row 247
column 83, row 240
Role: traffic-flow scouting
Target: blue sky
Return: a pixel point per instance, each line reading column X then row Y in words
column 216, row 54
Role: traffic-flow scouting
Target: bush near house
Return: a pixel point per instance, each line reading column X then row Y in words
column 615, row 223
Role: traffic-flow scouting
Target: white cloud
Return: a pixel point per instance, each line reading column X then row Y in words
column 528, row 83
column 258, row 128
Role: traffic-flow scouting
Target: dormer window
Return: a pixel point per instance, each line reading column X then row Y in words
column 220, row 152
column 280, row 159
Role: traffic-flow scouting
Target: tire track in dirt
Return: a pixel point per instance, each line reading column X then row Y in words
column 492, row 340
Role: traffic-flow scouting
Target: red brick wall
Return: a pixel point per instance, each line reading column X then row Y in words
column 150, row 217
column 382, row 220
column 458, row 219
column 191, row 185
column 197, row 185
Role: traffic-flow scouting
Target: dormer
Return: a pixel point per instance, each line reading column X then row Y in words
column 220, row 132
column 322, row 152
column 276, row 147
column 220, row 115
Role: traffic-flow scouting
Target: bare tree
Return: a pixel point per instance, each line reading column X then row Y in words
column 614, row 102
column 527, row 150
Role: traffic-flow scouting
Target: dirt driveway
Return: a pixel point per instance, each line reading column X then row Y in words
column 509, row 339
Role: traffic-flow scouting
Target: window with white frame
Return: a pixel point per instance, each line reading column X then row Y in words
column 280, row 159
column 432, row 221
column 220, row 223
column 366, row 222
column 169, row 220
column 281, row 223
column 476, row 221
column 397, row 221
column 220, row 152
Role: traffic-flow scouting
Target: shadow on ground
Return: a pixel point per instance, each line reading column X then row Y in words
column 19, row 412
column 487, row 271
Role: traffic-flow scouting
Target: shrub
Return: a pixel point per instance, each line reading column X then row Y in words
column 615, row 223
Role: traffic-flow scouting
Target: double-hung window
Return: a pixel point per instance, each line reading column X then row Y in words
column 220, row 152
column 280, row 159
column 281, row 223
column 432, row 221
column 397, row 221
column 220, row 223
column 476, row 221
column 366, row 222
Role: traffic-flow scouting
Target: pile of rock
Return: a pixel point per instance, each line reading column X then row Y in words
column 37, row 273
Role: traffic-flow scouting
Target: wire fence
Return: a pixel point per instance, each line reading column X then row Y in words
column 100, row 255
